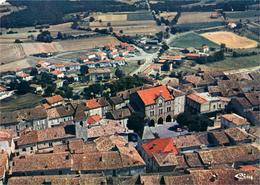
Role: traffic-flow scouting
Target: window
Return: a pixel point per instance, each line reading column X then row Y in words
column 160, row 111
column 151, row 113
column 160, row 104
column 152, row 106
column 24, row 150
column 214, row 106
column 169, row 109
column 168, row 102
column 50, row 144
column 219, row 106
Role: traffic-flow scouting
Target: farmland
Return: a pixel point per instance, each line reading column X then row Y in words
column 131, row 23
column 23, row 33
column 13, row 52
column 236, row 16
column 197, row 17
column 230, row 39
column 192, row 40
column 197, row 20
column 231, row 63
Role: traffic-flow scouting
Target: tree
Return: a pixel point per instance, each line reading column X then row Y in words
column 59, row 35
column 93, row 90
column 23, row 87
column 91, row 19
column 75, row 25
column 34, row 72
column 18, row 41
column 50, row 89
column 109, row 24
column 167, row 29
column 110, row 29
column 194, row 122
column 44, row 36
column 83, row 70
column 223, row 47
column 135, row 122
column 119, row 73
column 165, row 46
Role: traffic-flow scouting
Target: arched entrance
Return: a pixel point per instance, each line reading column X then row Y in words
column 168, row 118
column 151, row 123
column 160, row 121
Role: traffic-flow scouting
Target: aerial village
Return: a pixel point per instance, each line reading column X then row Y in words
column 135, row 110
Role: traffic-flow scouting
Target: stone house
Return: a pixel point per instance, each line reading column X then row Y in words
column 204, row 103
column 59, row 115
column 156, row 104
column 234, row 120
column 99, row 74
column 35, row 118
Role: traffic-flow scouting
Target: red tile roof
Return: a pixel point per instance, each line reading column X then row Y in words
column 54, row 99
column 161, row 145
column 23, row 75
column 93, row 119
column 2, row 89
column 56, row 72
column 149, row 96
column 92, row 104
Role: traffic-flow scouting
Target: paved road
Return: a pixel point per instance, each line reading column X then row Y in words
column 143, row 56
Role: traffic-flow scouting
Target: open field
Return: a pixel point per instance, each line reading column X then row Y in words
column 195, row 17
column 16, row 102
column 237, row 15
column 168, row 15
column 197, row 20
column 192, row 40
column 130, row 67
column 23, row 33
column 230, row 39
column 12, row 66
column 13, row 52
column 131, row 23
column 231, row 63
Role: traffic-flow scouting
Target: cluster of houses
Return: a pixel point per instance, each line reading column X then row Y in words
column 91, row 138
column 89, row 141
column 99, row 61
column 108, row 56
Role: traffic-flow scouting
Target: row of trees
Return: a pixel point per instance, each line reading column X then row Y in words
column 110, row 89
column 217, row 56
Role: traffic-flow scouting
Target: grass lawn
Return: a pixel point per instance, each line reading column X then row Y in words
column 16, row 102
column 132, row 65
column 192, row 40
column 231, row 63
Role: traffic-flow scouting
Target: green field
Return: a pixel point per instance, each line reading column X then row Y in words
column 192, row 40
column 132, row 65
column 16, row 102
column 231, row 63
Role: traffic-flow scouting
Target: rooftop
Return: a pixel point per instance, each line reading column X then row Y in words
column 237, row 134
column 54, row 99
column 150, row 95
column 236, row 119
column 36, row 136
column 107, row 127
column 160, row 145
